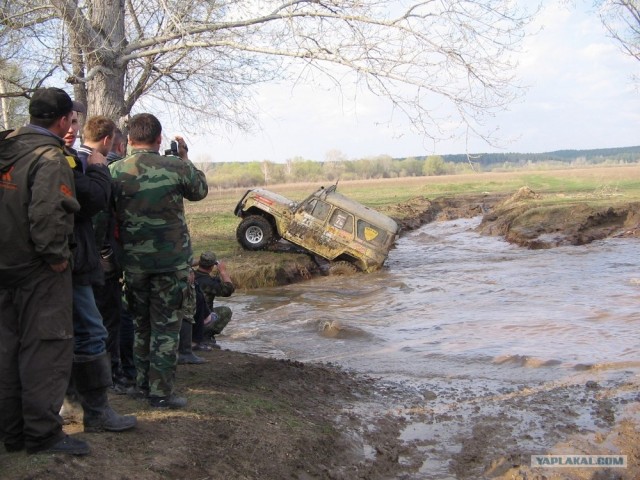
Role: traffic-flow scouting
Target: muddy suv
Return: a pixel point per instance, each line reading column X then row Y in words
column 348, row 234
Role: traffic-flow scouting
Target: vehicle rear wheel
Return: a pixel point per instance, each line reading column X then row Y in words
column 342, row 267
column 255, row 233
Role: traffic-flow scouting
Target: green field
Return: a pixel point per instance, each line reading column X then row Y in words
column 212, row 222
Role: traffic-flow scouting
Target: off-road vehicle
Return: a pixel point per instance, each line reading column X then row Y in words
column 328, row 224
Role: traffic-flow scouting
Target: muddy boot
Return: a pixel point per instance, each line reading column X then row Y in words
column 185, row 354
column 92, row 377
column 71, row 411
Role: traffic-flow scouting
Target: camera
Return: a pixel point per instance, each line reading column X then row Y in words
column 173, row 150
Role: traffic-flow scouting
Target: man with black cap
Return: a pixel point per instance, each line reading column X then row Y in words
column 37, row 204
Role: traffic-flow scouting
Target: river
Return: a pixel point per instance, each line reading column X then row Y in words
column 466, row 329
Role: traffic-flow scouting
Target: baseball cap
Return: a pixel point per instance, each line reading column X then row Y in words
column 53, row 103
column 207, row 259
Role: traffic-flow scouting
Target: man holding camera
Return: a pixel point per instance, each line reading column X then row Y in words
column 149, row 190
column 212, row 285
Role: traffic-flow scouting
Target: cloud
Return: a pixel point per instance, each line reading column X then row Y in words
column 580, row 95
column 580, row 87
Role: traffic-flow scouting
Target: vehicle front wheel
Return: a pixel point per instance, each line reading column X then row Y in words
column 255, row 233
column 342, row 267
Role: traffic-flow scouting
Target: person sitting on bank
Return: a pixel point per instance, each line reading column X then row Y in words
column 212, row 285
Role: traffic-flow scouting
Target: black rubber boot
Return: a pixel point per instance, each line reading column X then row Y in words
column 185, row 354
column 68, row 445
column 92, row 376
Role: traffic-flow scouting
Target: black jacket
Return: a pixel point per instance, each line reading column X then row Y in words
column 93, row 189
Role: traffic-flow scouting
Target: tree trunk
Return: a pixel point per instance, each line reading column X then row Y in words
column 106, row 94
column 106, row 87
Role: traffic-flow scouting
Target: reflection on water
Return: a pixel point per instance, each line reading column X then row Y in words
column 451, row 296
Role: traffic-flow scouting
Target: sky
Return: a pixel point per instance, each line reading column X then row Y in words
column 580, row 95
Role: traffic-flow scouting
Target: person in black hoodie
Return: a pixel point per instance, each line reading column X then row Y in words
column 37, row 203
column 108, row 295
column 91, row 374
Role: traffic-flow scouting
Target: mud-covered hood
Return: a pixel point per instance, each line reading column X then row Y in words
column 271, row 197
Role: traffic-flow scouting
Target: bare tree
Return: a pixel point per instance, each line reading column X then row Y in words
column 444, row 62
column 334, row 155
column 621, row 18
column 265, row 167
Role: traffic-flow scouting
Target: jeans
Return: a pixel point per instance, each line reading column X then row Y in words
column 89, row 333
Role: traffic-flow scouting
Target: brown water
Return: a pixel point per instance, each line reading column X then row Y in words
column 463, row 328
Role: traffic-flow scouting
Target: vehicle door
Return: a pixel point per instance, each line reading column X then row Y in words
column 338, row 235
column 307, row 224
column 321, row 228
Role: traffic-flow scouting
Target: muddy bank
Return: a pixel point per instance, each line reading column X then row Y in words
column 420, row 210
column 531, row 221
column 248, row 417
column 526, row 218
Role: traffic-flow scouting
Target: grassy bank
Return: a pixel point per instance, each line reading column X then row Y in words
column 213, row 224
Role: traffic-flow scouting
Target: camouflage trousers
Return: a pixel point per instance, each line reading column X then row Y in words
column 221, row 317
column 155, row 302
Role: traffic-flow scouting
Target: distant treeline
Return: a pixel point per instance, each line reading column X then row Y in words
column 251, row 174
column 588, row 157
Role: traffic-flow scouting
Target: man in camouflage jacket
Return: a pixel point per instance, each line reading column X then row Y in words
column 149, row 189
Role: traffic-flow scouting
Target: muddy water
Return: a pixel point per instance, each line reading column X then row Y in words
column 464, row 329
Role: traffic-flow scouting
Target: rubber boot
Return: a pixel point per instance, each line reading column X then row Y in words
column 92, row 377
column 185, row 354
column 68, row 445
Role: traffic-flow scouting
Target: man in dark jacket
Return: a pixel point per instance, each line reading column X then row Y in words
column 91, row 375
column 108, row 294
column 37, row 202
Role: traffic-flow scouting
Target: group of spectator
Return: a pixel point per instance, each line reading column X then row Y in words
column 75, row 226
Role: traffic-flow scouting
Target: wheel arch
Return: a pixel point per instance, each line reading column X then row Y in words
column 345, row 257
